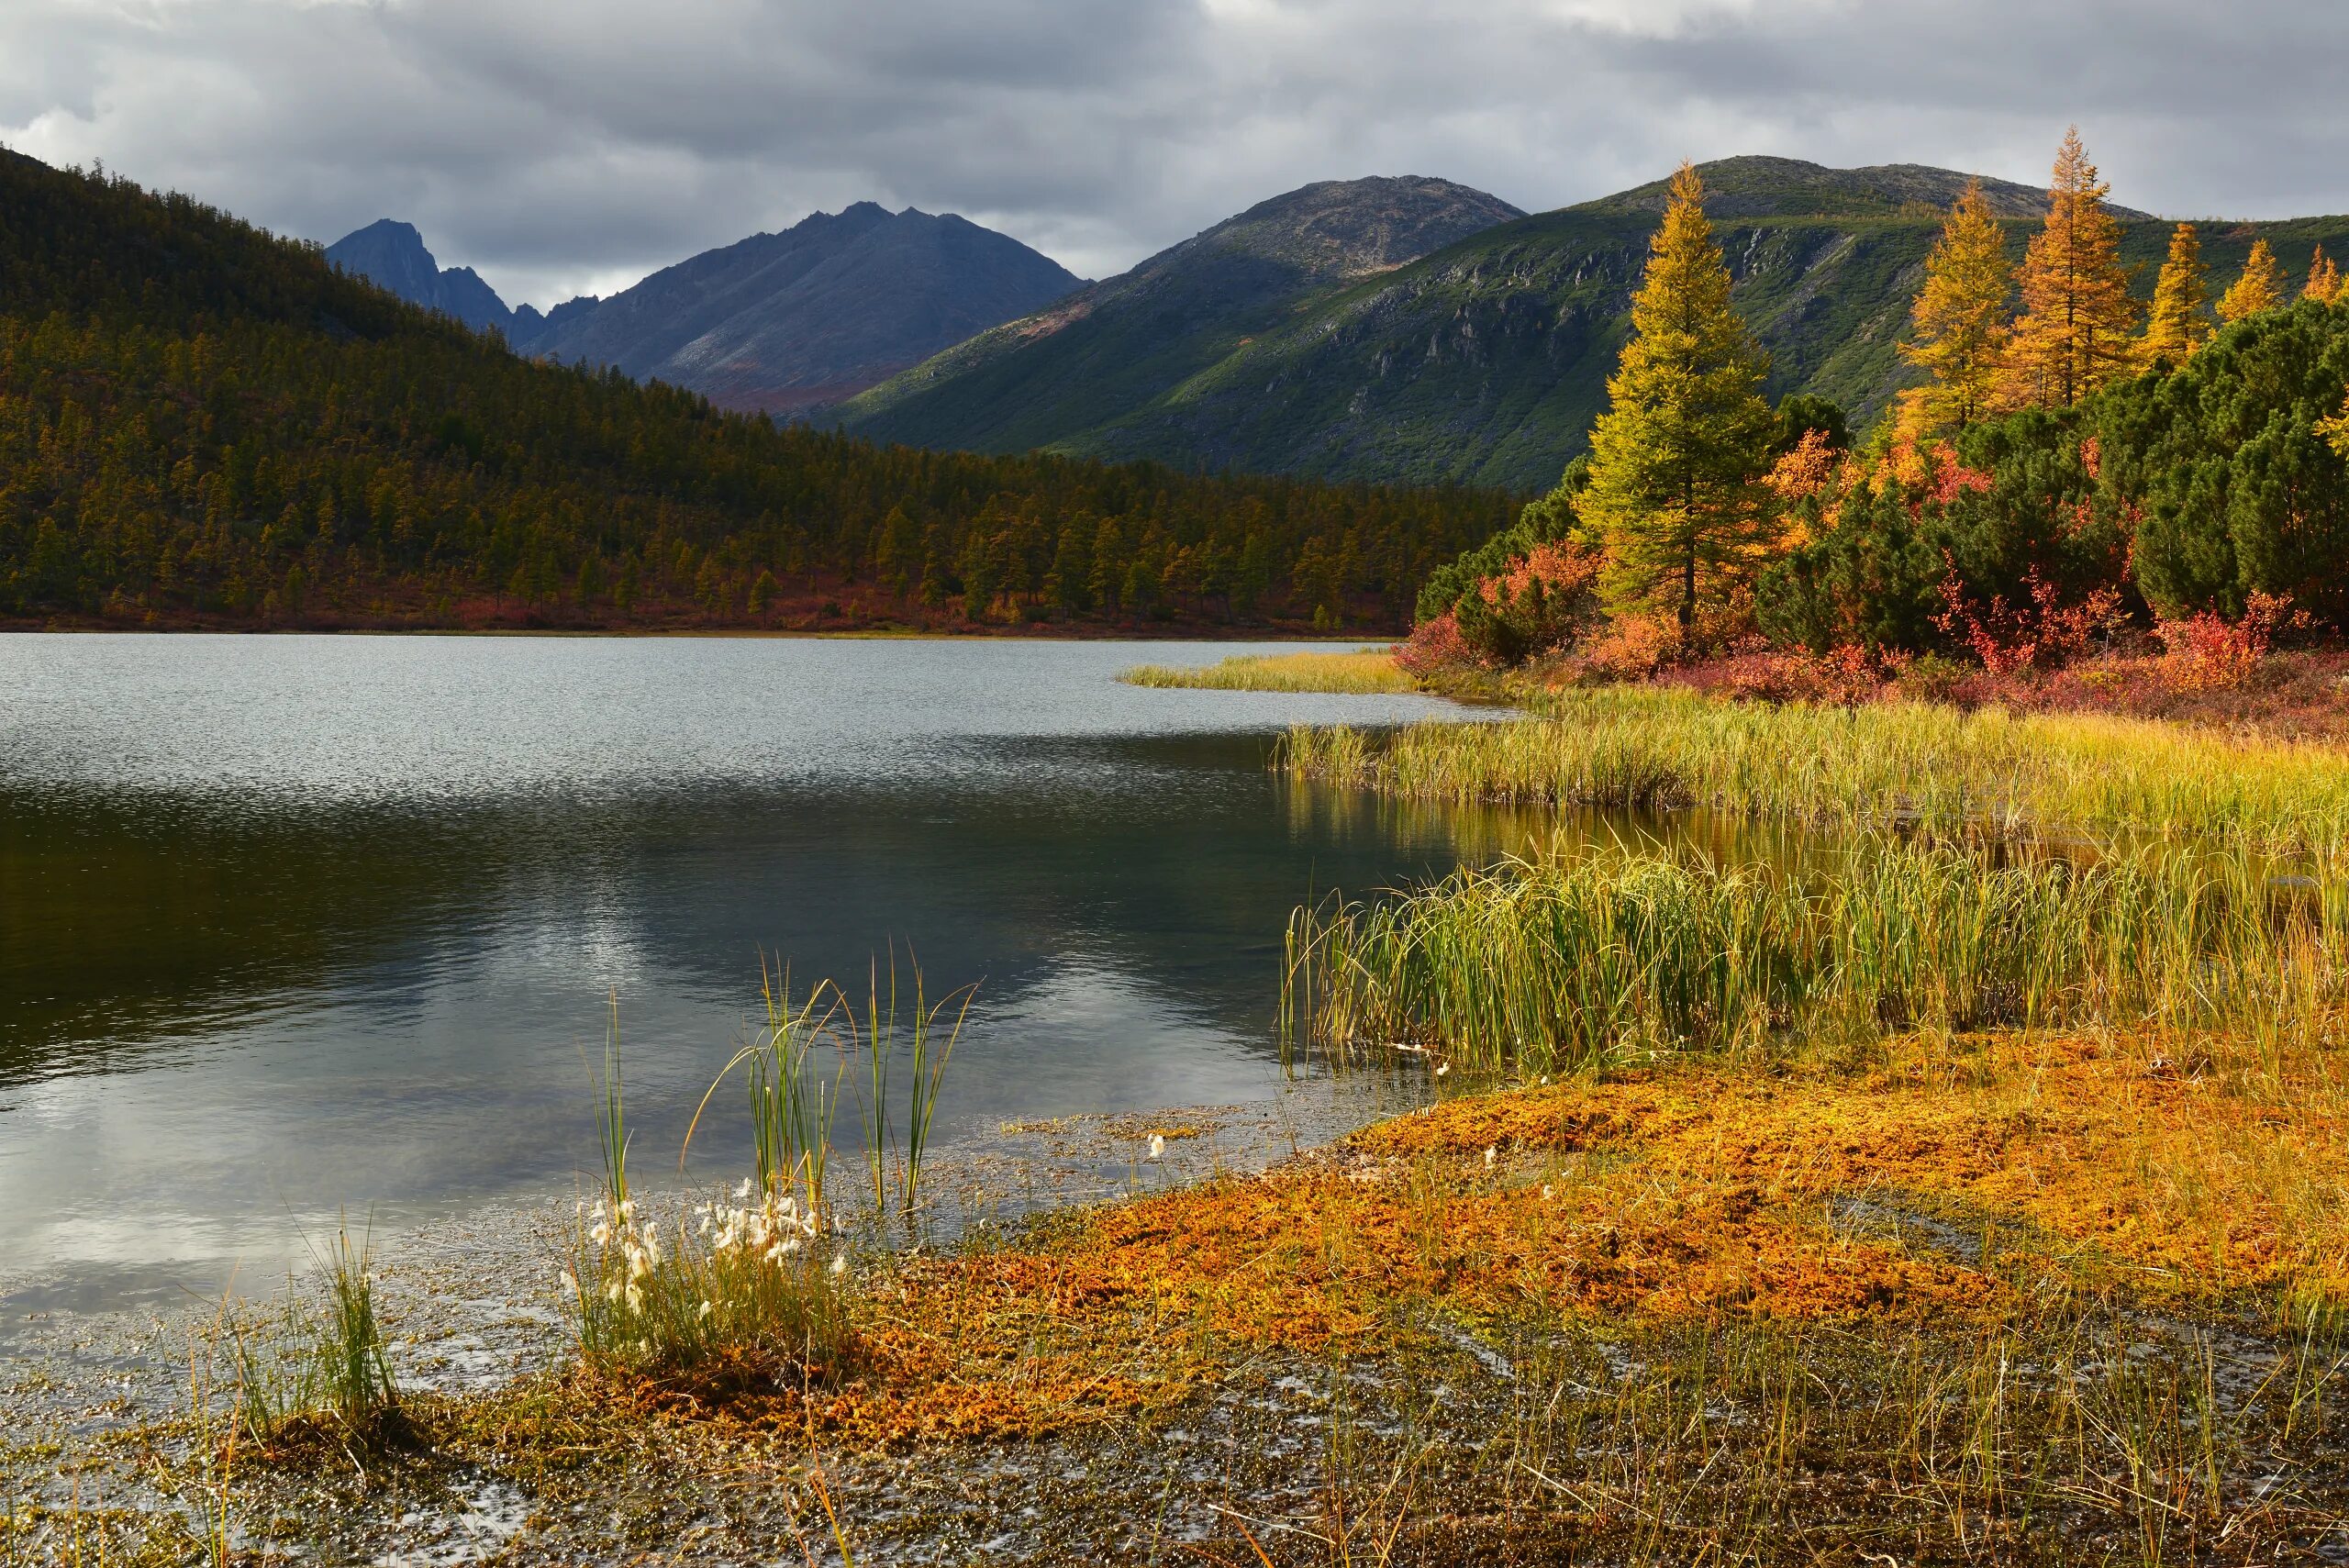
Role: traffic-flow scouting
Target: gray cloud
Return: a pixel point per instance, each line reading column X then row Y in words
column 565, row 144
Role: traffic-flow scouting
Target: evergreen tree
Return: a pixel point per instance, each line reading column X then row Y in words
column 2079, row 318
column 1961, row 314
column 1675, row 460
column 2177, row 326
column 2261, row 287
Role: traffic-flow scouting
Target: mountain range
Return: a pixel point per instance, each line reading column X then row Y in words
column 777, row 322
column 1390, row 330
column 1484, row 360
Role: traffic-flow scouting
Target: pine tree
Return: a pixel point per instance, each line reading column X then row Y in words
column 1961, row 314
column 2177, row 326
column 2324, row 279
column 2079, row 318
column 1676, row 460
column 2261, row 287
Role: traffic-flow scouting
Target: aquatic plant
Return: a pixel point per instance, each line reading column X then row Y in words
column 723, row 1295
column 1602, row 953
column 1364, row 671
column 1913, row 764
column 874, row 1041
column 324, row 1367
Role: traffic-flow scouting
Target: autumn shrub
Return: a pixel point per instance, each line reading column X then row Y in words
column 1630, row 648
column 1538, row 601
column 2204, row 651
column 2042, row 632
column 1758, row 672
column 1435, row 647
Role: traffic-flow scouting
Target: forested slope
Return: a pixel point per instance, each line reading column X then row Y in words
column 200, row 423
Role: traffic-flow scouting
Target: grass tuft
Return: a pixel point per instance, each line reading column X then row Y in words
column 1366, row 671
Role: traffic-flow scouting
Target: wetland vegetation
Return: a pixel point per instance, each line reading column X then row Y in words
column 1968, row 1182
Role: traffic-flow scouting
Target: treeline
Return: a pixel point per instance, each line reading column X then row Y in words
column 200, row 422
column 2073, row 463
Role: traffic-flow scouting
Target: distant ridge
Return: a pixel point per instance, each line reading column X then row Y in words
column 1118, row 345
column 778, row 322
column 819, row 311
column 1483, row 357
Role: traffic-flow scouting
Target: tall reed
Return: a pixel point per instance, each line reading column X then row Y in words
column 1563, row 961
column 2071, row 774
column 875, row 1041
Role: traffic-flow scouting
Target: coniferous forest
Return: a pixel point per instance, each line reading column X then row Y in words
column 201, row 424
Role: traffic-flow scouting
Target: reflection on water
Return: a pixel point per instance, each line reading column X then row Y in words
column 295, row 925
column 290, row 926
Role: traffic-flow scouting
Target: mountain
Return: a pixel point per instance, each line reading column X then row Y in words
column 1486, row 362
column 203, row 424
column 391, row 255
column 823, row 309
column 1132, row 341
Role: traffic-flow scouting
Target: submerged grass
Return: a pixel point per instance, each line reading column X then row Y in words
column 1366, row 671
column 1868, row 766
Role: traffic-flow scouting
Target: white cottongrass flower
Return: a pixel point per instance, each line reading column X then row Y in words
column 840, row 1264
column 704, row 1313
column 1546, row 1192
column 1441, row 1068
column 1157, row 1145
column 1490, row 1151
column 742, row 1192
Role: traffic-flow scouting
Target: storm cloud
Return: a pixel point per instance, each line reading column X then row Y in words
column 562, row 145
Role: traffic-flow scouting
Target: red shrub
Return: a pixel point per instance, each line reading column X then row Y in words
column 2041, row 635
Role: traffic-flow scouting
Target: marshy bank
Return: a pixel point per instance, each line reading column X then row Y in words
column 1966, row 1184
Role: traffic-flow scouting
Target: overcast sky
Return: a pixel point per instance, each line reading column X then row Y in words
column 568, row 145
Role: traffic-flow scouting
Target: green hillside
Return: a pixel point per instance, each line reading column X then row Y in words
column 1485, row 362
column 201, row 424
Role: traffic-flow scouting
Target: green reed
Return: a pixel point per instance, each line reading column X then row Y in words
column 328, row 1363
column 876, row 1043
column 1988, row 771
column 1566, row 961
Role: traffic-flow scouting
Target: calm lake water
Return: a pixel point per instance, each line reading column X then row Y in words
column 295, row 925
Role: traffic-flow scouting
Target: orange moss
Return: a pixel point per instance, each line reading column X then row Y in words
column 2161, row 1169
column 1696, row 1191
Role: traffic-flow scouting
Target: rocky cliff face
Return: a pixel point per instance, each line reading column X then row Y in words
column 391, row 255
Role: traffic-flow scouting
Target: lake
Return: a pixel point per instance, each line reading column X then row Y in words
column 295, row 927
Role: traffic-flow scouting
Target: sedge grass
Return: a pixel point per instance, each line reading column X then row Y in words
column 1569, row 961
column 2053, row 775
column 1366, row 671
column 320, row 1367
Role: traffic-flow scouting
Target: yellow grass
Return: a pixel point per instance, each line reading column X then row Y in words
column 1366, row 671
column 2086, row 773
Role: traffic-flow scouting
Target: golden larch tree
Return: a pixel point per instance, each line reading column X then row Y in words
column 1677, row 461
column 2179, row 323
column 2078, row 321
column 2261, row 287
column 1961, row 315
column 2324, row 279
